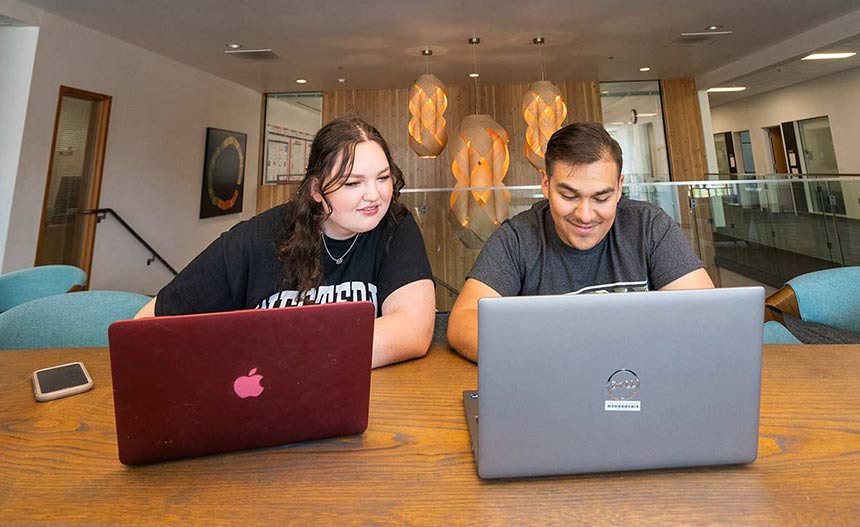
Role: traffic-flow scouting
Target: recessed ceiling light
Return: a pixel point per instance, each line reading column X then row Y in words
column 644, row 69
column 234, row 45
column 829, row 56
column 301, row 81
column 474, row 75
column 248, row 51
column 341, row 80
column 721, row 89
column 714, row 27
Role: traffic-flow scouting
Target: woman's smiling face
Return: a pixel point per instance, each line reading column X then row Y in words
column 363, row 200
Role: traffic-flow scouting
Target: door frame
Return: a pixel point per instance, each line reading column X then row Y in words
column 91, row 200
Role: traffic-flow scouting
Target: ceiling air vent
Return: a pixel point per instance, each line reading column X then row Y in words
column 699, row 39
column 252, row 54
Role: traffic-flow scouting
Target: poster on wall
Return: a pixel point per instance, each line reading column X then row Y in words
column 277, row 160
column 223, row 173
column 286, row 154
column 297, row 156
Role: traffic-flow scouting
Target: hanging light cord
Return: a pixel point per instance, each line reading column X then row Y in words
column 539, row 41
column 540, row 61
column 475, row 70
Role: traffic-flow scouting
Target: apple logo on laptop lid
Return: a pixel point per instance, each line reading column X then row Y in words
column 248, row 385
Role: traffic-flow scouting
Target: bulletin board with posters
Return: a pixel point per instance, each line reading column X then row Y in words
column 292, row 120
column 287, row 154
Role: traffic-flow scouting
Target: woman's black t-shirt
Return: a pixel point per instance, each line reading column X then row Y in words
column 241, row 270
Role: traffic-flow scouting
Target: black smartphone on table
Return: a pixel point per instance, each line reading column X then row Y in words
column 61, row 381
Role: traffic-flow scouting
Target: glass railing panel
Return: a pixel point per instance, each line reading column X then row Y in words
column 766, row 227
column 454, row 234
column 844, row 220
column 800, row 233
column 811, row 217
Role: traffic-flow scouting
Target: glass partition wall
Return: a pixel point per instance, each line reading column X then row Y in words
column 633, row 116
column 746, row 226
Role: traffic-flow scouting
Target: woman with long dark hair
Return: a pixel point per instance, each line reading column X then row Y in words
column 342, row 237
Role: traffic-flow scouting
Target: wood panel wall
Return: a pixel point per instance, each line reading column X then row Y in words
column 685, row 140
column 685, row 143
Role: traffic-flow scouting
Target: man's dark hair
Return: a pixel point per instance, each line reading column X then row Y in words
column 582, row 144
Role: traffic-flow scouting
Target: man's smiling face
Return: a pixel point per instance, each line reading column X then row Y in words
column 582, row 200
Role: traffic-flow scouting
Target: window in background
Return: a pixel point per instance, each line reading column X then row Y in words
column 633, row 116
column 819, row 157
column 816, row 142
column 722, row 153
column 746, row 152
column 292, row 120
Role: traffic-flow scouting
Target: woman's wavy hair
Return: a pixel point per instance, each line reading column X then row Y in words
column 329, row 166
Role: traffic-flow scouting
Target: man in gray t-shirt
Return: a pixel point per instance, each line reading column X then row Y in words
column 584, row 238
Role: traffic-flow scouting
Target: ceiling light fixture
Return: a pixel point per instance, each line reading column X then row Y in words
column 644, row 69
column 301, row 81
column 829, row 56
column 474, row 41
column 708, row 34
column 234, row 45
column 341, row 80
column 724, row 89
column 714, row 27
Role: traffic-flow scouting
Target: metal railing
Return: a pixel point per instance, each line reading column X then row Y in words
column 101, row 214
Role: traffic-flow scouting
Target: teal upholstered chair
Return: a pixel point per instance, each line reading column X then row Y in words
column 22, row 286
column 830, row 297
column 775, row 333
column 819, row 307
column 70, row 320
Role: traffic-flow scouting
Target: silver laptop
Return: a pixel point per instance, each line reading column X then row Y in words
column 625, row 381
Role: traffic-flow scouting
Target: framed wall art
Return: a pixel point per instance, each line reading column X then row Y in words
column 223, row 173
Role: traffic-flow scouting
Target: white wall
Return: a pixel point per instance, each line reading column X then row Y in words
column 708, row 132
column 836, row 96
column 17, row 52
column 155, row 147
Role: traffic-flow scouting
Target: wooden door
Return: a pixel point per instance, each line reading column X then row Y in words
column 66, row 234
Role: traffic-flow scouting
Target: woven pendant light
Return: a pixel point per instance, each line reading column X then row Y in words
column 428, row 100
column 481, row 159
column 544, row 112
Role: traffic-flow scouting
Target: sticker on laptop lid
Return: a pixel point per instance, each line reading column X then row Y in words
column 622, row 406
column 622, row 386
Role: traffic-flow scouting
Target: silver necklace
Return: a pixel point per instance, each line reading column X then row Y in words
column 339, row 261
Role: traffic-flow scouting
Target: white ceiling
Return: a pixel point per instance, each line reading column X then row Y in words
column 790, row 72
column 375, row 43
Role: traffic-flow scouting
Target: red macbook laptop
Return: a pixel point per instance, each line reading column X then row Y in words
column 192, row 385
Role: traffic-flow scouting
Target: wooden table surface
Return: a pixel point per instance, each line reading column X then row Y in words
column 58, row 461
